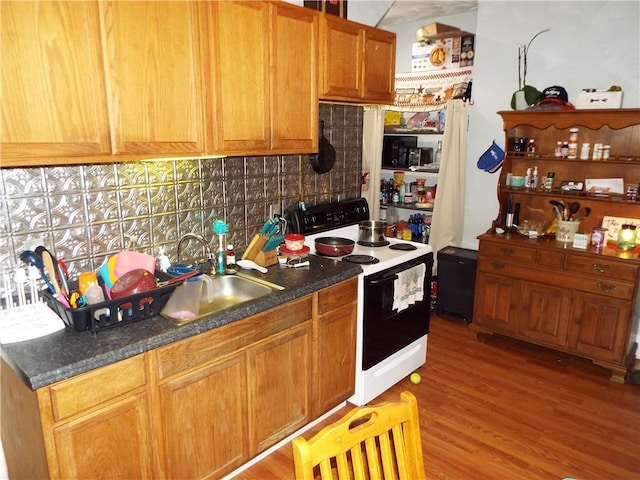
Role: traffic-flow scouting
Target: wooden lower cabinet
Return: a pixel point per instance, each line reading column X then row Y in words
column 278, row 387
column 95, row 425
column 597, row 326
column 93, row 444
column 204, row 431
column 543, row 316
column 196, row 408
column 570, row 300
column 500, row 300
column 336, row 336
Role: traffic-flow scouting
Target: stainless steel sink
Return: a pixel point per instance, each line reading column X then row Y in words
column 228, row 291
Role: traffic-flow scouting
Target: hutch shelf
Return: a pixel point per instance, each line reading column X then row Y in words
column 580, row 301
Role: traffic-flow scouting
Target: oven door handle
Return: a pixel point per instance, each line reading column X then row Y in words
column 384, row 280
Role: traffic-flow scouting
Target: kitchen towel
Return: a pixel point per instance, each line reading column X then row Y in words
column 408, row 287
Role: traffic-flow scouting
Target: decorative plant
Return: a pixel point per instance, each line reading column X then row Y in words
column 531, row 94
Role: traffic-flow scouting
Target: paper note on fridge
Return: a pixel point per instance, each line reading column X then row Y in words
column 604, row 185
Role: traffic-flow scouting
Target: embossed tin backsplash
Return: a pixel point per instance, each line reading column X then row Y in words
column 86, row 213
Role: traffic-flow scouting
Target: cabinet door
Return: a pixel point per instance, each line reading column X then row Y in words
column 294, row 72
column 239, row 60
column 154, row 76
column 203, row 420
column 278, row 381
column 497, row 302
column 544, row 313
column 109, row 443
column 54, row 103
column 334, row 374
column 341, row 57
column 336, row 358
column 379, row 66
column 600, row 327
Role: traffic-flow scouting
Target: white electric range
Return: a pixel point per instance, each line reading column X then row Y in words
column 391, row 339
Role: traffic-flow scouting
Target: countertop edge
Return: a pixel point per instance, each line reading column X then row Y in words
column 47, row 360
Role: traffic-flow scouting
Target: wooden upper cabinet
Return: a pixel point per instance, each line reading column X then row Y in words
column 294, row 72
column 341, row 52
column 263, row 64
column 53, row 101
column 357, row 63
column 379, row 66
column 154, row 76
column 114, row 80
column 238, row 53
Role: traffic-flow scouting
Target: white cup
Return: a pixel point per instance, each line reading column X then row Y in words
column 566, row 230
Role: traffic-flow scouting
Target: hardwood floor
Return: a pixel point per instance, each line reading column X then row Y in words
column 503, row 409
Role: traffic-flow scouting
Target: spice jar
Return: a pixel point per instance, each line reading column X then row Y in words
column 598, row 237
column 584, row 151
column 573, row 144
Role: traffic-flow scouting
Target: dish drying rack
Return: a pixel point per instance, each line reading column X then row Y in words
column 23, row 314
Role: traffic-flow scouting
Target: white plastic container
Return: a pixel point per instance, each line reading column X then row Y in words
column 598, row 100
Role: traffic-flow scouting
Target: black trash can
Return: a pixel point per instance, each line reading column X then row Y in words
column 456, row 282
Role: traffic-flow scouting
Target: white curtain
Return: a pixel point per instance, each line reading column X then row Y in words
column 448, row 209
column 372, row 135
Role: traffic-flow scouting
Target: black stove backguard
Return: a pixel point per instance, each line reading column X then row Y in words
column 322, row 218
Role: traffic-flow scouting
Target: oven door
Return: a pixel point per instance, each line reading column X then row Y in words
column 385, row 330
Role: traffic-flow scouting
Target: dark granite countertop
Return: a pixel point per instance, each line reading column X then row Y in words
column 64, row 354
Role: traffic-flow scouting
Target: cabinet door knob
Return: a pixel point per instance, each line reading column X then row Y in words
column 497, row 265
column 606, row 287
column 600, row 267
column 506, row 251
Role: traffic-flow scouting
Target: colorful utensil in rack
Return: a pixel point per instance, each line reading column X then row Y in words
column 57, row 274
column 30, row 258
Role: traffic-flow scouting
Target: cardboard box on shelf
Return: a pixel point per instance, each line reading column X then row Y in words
column 452, row 52
column 392, row 118
column 433, row 29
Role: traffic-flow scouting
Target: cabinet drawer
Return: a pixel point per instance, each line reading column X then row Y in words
column 602, row 267
column 214, row 344
column 560, row 279
column 603, row 286
column 338, row 295
column 514, row 252
column 551, row 259
column 98, row 386
column 503, row 266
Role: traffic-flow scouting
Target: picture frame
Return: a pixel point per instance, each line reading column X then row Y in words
column 333, row 7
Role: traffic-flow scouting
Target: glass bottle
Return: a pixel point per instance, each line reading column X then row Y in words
column 230, row 259
column 531, row 148
column 558, row 151
column 438, row 155
column 572, row 152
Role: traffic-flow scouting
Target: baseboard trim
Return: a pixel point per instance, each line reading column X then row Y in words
column 283, row 442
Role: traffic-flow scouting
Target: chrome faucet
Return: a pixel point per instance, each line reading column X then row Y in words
column 205, row 245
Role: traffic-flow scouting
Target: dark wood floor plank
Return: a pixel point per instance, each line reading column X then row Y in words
column 501, row 408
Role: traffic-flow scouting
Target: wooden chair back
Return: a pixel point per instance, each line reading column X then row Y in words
column 370, row 442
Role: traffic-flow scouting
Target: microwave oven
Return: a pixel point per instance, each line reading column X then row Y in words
column 396, row 150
